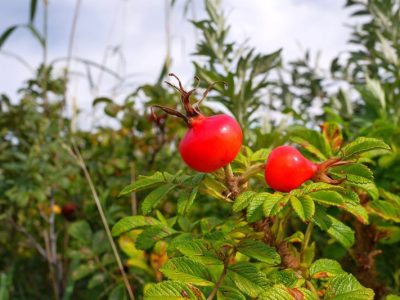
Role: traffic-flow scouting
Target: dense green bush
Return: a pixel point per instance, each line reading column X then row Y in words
column 181, row 234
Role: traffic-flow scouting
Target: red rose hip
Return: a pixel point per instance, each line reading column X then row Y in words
column 211, row 142
column 287, row 169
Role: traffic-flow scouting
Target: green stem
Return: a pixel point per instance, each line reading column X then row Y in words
column 220, row 280
column 252, row 170
column 228, row 173
column 306, row 241
column 76, row 154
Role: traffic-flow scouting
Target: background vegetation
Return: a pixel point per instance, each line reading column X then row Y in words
column 60, row 184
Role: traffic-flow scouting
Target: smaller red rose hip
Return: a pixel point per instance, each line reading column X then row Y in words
column 287, row 169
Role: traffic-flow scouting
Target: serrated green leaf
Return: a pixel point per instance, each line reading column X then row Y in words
column 288, row 278
column 229, row 293
column 384, row 209
column 144, row 182
column 281, row 292
column 370, row 188
column 356, row 173
column 242, row 201
column 304, row 207
column 327, row 197
column 341, row 232
column 151, row 235
column 155, row 197
column 172, row 290
column 325, row 268
column 247, row 278
column 321, row 218
column 274, row 203
column 255, row 208
column 258, row 250
column 186, row 200
column 198, row 250
column 346, row 286
column 186, row 270
column 81, row 231
column 361, row 145
column 132, row 222
column 320, row 186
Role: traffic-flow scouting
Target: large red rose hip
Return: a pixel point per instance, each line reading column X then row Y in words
column 287, row 169
column 211, row 142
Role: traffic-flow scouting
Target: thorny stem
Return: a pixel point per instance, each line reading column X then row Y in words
column 307, row 238
column 76, row 154
column 220, row 279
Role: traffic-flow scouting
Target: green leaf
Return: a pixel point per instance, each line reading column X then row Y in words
column 346, row 286
column 229, row 293
column 260, row 155
column 274, row 203
column 356, row 173
column 186, row 200
column 370, row 188
column 312, row 141
column 172, row 290
column 321, row 218
column 83, row 270
column 5, row 35
column 333, row 136
column 356, row 210
column 287, row 277
column 327, row 197
column 143, row 182
column 258, row 250
column 155, row 197
column 186, row 270
column 198, row 250
column 304, row 207
column 341, row 232
column 361, row 145
column 281, row 292
column 385, row 209
column 32, row 11
column 242, row 201
column 151, row 235
column 101, row 100
column 255, row 208
column 96, row 280
column 36, row 34
column 118, row 293
column 247, row 278
column 392, row 297
column 323, row 268
column 132, row 222
column 81, row 231
column 264, row 63
column 321, row 186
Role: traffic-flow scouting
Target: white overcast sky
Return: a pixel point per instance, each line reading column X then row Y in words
column 138, row 27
